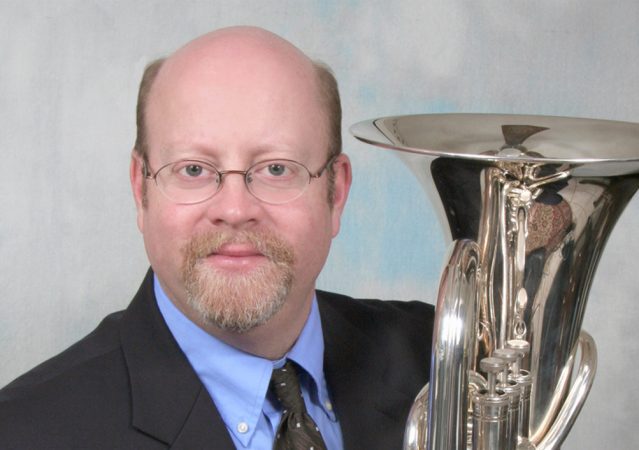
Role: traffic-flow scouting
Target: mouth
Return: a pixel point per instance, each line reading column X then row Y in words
column 236, row 257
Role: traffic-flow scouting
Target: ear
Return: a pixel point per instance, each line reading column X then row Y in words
column 137, row 186
column 343, row 179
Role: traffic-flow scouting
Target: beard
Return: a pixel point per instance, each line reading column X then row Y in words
column 237, row 302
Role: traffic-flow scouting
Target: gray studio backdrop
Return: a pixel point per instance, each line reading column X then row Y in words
column 70, row 251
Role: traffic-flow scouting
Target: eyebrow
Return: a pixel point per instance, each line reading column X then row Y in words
column 262, row 153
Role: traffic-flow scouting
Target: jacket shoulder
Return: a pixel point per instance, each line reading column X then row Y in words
column 400, row 330
column 374, row 313
column 81, row 392
column 100, row 342
column 377, row 358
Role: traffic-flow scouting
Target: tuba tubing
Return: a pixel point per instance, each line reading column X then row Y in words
column 453, row 352
column 577, row 397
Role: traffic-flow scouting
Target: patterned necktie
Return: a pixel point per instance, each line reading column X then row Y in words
column 296, row 431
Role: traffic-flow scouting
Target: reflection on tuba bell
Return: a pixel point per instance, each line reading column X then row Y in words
column 528, row 203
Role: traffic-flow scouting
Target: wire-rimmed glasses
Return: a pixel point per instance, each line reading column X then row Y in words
column 273, row 181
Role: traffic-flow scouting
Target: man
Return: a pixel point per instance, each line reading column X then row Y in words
column 240, row 184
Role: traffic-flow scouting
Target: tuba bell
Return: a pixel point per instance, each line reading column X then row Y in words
column 527, row 203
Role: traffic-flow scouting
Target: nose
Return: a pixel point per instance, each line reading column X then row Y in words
column 233, row 205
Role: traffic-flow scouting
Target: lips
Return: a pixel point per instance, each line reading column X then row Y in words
column 237, row 250
column 236, row 257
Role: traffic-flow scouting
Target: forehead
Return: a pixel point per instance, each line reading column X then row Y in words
column 242, row 93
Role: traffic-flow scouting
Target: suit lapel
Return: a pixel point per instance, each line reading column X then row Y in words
column 358, row 384
column 169, row 402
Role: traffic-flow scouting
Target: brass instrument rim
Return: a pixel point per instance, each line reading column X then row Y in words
column 437, row 135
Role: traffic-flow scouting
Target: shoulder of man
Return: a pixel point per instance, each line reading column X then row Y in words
column 96, row 345
column 83, row 382
column 373, row 313
column 101, row 347
column 376, row 360
column 378, row 328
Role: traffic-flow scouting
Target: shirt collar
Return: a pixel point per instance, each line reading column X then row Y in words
column 308, row 353
column 237, row 381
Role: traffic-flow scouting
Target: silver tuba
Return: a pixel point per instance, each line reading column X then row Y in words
column 528, row 203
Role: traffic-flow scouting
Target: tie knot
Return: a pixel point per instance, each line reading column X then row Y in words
column 286, row 386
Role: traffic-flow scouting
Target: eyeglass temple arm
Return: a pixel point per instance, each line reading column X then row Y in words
column 329, row 163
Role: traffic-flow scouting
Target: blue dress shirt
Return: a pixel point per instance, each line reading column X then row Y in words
column 238, row 381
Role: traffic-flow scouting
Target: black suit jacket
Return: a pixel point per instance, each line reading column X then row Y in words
column 127, row 385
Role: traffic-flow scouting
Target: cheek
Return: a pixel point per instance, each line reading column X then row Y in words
column 310, row 233
column 166, row 229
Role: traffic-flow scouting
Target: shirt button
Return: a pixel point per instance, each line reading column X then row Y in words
column 242, row 427
column 328, row 405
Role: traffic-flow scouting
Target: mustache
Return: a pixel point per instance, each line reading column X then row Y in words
column 268, row 244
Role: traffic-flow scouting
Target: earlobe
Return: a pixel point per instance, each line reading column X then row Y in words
column 343, row 179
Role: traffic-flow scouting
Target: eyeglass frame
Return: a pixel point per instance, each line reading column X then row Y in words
column 147, row 173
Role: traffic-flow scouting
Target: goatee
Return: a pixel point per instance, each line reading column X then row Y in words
column 237, row 302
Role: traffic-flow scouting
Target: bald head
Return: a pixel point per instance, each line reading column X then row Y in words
column 229, row 56
column 239, row 47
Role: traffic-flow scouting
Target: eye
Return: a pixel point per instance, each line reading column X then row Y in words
column 190, row 171
column 279, row 173
column 277, row 169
